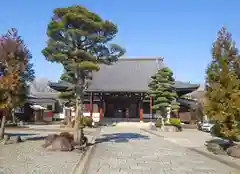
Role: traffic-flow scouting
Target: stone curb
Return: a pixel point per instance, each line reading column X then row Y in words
column 214, row 157
column 83, row 163
column 152, row 132
column 206, row 154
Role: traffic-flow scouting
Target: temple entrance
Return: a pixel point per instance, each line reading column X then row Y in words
column 121, row 107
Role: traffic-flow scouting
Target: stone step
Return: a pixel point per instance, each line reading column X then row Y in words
column 134, row 124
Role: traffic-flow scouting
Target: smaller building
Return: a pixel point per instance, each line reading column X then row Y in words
column 39, row 107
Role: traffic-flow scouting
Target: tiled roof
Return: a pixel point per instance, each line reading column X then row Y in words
column 126, row 75
column 183, row 85
column 45, row 95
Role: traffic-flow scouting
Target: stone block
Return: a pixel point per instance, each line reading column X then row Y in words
column 16, row 139
column 6, row 139
column 170, row 129
column 234, row 151
column 215, row 148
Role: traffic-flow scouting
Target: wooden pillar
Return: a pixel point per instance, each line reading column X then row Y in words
column 91, row 104
column 150, row 105
column 141, row 108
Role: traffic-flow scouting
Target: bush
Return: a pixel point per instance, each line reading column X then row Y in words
column 216, row 130
column 158, row 123
column 174, row 121
column 233, row 135
column 237, row 126
column 237, row 136
column 87, row 121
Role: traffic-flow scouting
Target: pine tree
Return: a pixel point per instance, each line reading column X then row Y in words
column 222, row 84
column 163, row 92
column 79, row 40
column 16, row 73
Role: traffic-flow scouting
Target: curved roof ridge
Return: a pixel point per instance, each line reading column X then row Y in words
column 160, row 58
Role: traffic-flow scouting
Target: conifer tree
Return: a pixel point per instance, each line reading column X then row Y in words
column 163, row 92
column 222, row 84
column 80, row 41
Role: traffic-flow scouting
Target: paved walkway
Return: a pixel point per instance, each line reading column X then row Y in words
column 195, row 140
column 186, row 138
column 133, row 151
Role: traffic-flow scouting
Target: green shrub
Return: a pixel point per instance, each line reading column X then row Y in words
column 237, row 125
column 158, row 123
column 174, row 121
column 237, row 137
column 234, row 134
column 216, row 130
column 87, row 121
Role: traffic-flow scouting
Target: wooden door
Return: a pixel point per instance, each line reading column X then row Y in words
column 109, row 110
column 133, row 111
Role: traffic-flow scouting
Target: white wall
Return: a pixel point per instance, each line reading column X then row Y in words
column 95, row 115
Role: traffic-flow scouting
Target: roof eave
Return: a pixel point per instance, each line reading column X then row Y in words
column 117, row 91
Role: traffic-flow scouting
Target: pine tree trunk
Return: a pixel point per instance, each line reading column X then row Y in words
column 76, row 123
column 78, row 135
column 69, row 120
column 2, row 129
column 13, row 115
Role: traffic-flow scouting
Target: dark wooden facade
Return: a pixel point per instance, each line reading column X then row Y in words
column 130, row 106
column 118, row 105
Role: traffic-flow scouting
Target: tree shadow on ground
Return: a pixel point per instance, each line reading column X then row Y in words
column 27, row 136
column 120, row 137
column 35, row 138
column 20, row 134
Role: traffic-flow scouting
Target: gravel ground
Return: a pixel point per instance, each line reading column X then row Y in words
column 29, row 158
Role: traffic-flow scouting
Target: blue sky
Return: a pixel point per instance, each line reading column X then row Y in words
column 180, row 31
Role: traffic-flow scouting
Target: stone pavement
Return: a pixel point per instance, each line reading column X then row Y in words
column 133, row 151
column 195, row 140
column 187, row 138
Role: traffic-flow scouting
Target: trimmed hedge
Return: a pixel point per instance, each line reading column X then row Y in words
column 174, row 121
column 87, row 121
column 158, row 123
